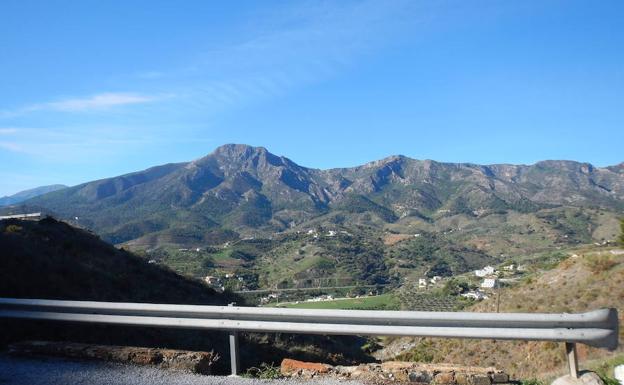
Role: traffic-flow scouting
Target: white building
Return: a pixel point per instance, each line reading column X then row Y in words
column 211, row 280
column 488, row 283
column 422, row 282
column 476, row 295
column 509, row 267
column 488, row 270
column 435, row 279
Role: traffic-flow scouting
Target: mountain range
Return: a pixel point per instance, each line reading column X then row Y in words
column 249, row 191
column 27, row 194
column 388, row 218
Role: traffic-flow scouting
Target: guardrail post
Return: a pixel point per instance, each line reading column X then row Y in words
column 572, row 359
column 234, row 356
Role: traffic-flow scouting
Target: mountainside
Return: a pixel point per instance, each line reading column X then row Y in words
column 38, row 256
column 51, row 259
column 585, row 279
column 243, row 190
column 27, row 194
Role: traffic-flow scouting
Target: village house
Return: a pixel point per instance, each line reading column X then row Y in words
column 211, row 280
column 476, row 295
column 435, row 279
column 487, row 270
column 488, row 283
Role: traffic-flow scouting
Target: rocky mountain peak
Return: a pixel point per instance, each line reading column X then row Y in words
column 239, row 151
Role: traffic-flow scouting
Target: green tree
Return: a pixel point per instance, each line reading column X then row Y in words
column 455, row 287
column 621, row 239
column 208, row 263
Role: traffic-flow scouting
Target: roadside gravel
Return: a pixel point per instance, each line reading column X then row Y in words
column 55, row 371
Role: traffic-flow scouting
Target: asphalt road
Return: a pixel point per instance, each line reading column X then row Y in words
column 55, row 371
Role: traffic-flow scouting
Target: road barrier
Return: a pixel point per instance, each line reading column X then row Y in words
column 598, row 328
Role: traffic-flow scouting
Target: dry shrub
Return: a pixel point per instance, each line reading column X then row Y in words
column 599, row 263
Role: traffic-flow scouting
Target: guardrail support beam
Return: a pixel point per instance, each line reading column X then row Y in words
column 572, row 359
column 234, row 355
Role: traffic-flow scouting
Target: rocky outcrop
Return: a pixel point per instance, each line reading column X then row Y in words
column 196, row 362
column 402, row 372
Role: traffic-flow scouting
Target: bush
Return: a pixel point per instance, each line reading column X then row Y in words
column 13, row 229
column 599, row 263
column 455, row 287
column 610, row 380
column 531, row 381
column 265, row 372
column 421, row 353
column 208, row 263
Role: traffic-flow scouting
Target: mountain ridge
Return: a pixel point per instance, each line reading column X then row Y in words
column 250, row 191
column 30, row 193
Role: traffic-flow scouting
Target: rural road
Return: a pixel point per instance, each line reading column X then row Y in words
column 55, row 371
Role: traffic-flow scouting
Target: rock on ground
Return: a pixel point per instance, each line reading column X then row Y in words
column 396, row 371
column 585, row 378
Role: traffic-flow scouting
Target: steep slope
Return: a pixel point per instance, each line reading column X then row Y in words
column 586, row 280
column 50, row 259
column 244, row 191
column 27, row 194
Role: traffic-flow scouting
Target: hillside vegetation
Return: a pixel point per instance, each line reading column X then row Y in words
column 587, row 279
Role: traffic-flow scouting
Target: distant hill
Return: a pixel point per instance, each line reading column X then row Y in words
column 27, row 194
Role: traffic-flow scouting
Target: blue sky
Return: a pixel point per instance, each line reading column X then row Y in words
column 92, row 89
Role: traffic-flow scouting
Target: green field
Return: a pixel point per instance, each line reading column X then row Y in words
column 379, row 302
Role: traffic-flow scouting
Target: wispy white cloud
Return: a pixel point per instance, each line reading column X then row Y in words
column 151, row 74
column 95, row 102
column 7, row 130
column 281, row 50
column 86, row 142
column 287, row 48
column 99, row 101
column 11, row 146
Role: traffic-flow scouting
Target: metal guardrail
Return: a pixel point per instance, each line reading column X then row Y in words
column 598, row 328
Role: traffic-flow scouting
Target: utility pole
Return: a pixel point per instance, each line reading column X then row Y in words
column 498, row 293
